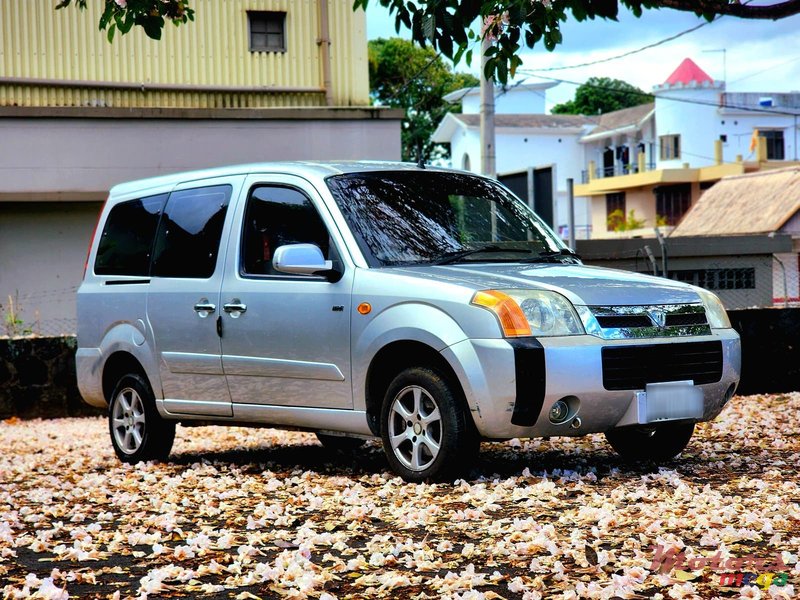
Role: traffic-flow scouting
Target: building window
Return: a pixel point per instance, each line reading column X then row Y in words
column 672, row 202
column 615, row 211
column 775, row 147
column 267, row 31
column 718, row 279
column 670, row 147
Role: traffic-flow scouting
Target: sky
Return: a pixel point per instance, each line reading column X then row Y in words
column 760, row 56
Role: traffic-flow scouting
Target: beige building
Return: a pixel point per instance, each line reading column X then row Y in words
column 247, row 81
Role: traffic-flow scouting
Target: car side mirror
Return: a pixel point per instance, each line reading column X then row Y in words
column 301, row 259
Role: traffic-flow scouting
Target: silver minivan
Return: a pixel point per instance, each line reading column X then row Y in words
column 428, row 307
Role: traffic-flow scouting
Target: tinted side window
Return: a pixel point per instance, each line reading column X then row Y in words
column 276, row 216
column 127, row 238
column 187, row 243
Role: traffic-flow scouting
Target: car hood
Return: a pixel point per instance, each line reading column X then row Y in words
column 583, row 285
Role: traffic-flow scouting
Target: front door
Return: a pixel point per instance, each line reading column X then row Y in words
column 285, row 338
column 183, row 300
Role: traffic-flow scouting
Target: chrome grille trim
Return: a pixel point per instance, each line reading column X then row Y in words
column 649, row 321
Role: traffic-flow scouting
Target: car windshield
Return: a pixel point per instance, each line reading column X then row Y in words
column 434, row 217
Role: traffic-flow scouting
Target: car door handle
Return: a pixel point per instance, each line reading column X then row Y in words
column 204, row 308
column 234, row 308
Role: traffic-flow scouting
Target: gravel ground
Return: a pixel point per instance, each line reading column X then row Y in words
column 249, row 513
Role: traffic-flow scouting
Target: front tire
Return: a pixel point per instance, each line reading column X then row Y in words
column 138, row 433
column 426, row 432
column 659, row 443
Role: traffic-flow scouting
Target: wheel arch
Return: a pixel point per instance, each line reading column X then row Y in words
column 394, row 358
column 118, row 364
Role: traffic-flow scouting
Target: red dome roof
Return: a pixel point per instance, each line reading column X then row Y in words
column 688, row 72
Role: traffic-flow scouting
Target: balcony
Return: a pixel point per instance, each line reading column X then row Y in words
column 615, row 171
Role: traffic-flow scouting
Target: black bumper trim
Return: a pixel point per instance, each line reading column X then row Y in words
column 530, row 375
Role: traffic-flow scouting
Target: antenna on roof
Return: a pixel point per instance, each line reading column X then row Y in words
column 420, row 156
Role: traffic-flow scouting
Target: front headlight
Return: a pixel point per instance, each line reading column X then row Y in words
column 715, row 311
column 530, row 312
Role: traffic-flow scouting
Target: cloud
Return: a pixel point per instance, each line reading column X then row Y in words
column 759, row 54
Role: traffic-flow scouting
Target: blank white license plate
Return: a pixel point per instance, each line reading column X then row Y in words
column 671, row 400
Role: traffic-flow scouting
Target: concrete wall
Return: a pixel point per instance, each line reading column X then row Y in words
column 770, row 352
column 59, row 156
column 42, row 252
column 37, row 379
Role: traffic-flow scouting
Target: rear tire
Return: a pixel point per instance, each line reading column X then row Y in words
column 427, row 434
column 339, row 443
column 138, row 433
column 659, row 443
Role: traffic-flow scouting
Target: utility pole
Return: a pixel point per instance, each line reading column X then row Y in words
column 488, row 166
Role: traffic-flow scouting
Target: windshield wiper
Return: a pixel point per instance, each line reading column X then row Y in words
column 451, row 257
column 553, row 256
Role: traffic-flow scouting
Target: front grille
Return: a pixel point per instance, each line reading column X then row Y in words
column 681, row 320
column 647, row 321
column 633, row 367
column 617, row 321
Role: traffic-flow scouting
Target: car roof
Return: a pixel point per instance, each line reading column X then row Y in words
column 301, row 168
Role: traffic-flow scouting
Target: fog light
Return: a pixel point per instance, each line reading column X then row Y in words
column 559, row 411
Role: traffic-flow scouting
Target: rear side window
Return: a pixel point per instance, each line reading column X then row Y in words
column 187, row 242
column 127, row 238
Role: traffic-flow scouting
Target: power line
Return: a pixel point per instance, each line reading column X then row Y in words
column 672, row 98
column 624, row 54
column 760, row 71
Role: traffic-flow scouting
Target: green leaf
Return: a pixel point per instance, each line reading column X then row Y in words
column 111, row 31
column 502, row 72
column 152, row 27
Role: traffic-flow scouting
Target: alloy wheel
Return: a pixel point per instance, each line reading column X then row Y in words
column 128, row 420
column 415, row 428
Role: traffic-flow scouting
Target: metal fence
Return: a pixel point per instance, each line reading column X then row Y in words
column 43, row 313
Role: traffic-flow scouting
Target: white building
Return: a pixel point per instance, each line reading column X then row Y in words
column 525, row 137
column 657, row 159
column 654, row 159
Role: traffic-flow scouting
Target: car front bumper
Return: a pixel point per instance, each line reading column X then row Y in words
column 489, row 372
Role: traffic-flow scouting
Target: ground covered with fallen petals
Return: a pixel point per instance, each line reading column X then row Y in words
column 246, row 513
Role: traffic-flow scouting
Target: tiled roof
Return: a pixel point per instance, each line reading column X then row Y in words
column 530, row 121
column 759, row 202
column 622, row 118
column 688, row 72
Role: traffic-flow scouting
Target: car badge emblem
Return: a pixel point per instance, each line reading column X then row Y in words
column 659, row 317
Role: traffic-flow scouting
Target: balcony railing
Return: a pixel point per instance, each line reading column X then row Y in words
column 615, row 171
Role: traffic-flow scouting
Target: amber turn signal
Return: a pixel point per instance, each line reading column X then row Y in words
column 507, row 311
column 364, row 308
